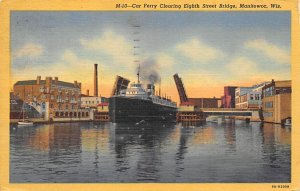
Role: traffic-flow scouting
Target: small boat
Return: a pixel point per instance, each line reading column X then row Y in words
column 288, row 122
column 25, row 123
column 212, row 119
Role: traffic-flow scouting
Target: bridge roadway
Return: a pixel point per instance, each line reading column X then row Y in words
column 227, row 111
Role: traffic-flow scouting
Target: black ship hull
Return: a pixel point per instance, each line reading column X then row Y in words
column 122, row 109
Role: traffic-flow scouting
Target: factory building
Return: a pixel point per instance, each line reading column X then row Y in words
column 206, row 102
column 88, row 101
column 228, row 99
column 276, row 101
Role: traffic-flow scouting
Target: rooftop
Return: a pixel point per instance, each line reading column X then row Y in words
column 43, row 82
column 103, row 104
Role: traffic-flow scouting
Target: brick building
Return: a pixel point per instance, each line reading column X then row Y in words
column 228, row 99
column 206, row 102
column 50, row 96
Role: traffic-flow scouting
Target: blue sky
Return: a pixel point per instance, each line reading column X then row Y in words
column 208, row 50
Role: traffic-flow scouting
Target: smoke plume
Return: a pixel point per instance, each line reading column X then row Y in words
column 149, row 72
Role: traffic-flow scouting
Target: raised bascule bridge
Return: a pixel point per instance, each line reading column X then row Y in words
column 199, row 109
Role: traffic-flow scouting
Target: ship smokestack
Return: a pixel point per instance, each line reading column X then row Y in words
column 151, row 89
column 87, row 92
column 95, row 80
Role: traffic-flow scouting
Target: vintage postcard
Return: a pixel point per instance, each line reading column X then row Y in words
column 130, row 95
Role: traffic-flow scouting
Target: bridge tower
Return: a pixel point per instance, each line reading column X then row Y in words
column 180, row 88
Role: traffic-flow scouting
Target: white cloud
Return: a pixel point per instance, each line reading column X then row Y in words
column 270, row 50
column 242, row 69
column 202, row 78
column 112, row 44
column 30, row 50
column 198, row 51
column 242, row 66
column 165, row 60
column 69, row 67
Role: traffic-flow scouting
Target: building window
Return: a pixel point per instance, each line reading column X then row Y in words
column 257, row 97
column 283, row 90
column 269, row 104
column 269, row 91
column 67, row 107
column 268, row 114
column 251, row 97
column 51, row 105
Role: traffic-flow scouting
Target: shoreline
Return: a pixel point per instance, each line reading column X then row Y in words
column 42, row 121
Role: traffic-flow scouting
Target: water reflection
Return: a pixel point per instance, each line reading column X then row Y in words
column 150, row 152
column 185, row 134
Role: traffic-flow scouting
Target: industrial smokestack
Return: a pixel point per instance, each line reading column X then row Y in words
column 95, row 80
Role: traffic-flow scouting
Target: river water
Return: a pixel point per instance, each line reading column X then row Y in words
column 105, row 152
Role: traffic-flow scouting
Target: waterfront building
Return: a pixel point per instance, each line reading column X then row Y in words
column 228, row 100
column 15, row 106
column 276, row 102
column 249, row 97
column 87, row 101
column 241, row 97
column 206, row 102
column 102, row 107
column 187, row 112
column 186, row 106
column 102, row 112
column 51, row 97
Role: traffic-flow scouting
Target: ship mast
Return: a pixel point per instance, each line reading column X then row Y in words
column 136, row 47
column 138, row 74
